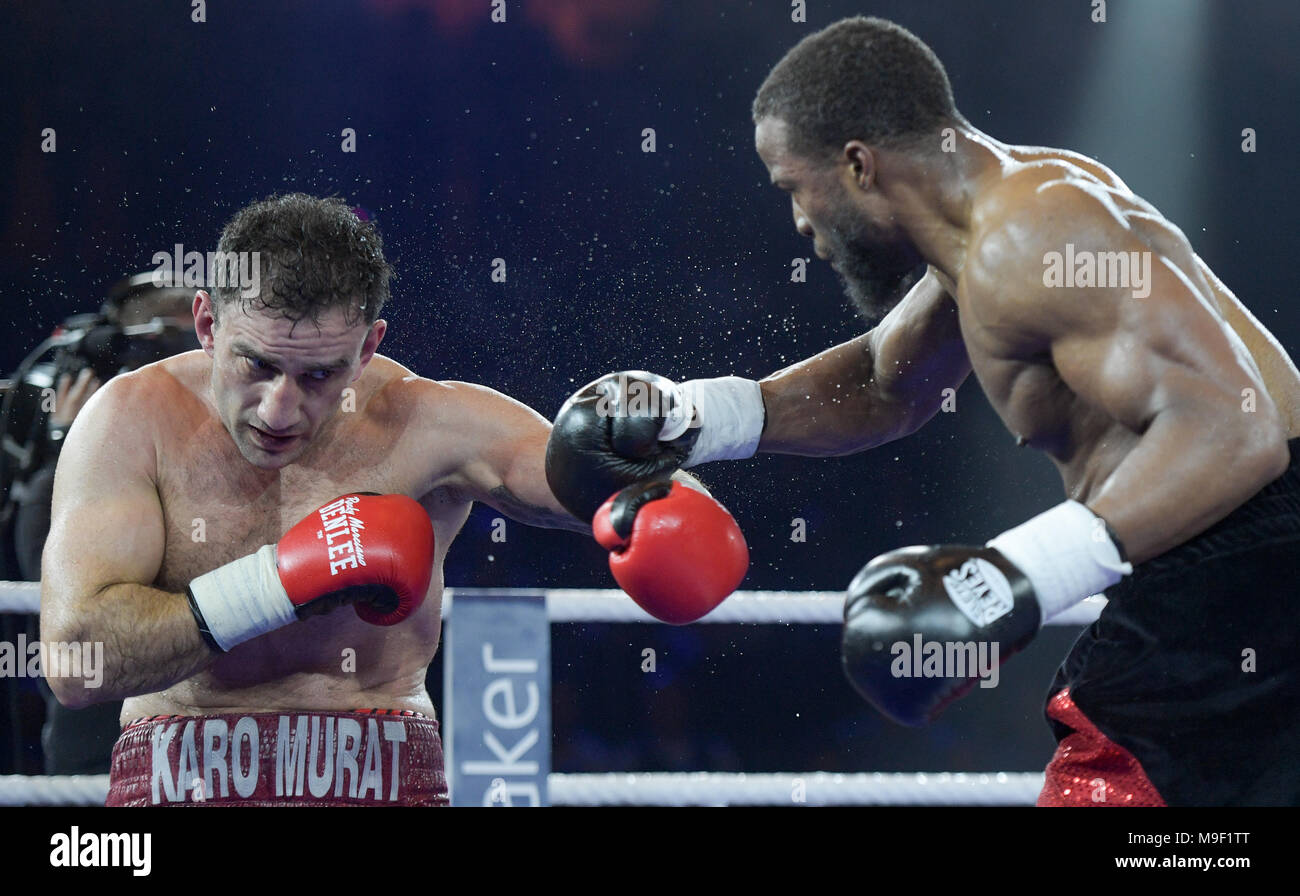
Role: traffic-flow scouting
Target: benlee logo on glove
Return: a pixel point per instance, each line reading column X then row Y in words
column 980, row 591
column 342, row 534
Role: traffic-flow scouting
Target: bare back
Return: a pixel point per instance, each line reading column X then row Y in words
column 1019, row 374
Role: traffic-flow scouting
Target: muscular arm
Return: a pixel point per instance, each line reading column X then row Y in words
column 104, row 548
column 881, row 386
column 501, row 456
column 1163, row 366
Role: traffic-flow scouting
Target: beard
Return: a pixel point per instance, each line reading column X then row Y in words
column 876, row 267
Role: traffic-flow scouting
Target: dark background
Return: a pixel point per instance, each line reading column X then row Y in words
column 522, row 140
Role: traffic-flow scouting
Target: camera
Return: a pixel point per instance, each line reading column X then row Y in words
column 138, row 323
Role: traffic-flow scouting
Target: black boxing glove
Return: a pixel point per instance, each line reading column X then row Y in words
column 633, row 426
column 968, row 599
column 606, row 437
column 922, row 625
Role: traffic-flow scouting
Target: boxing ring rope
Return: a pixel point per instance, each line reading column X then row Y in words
column 53, row 790
column 612, row 605
column 653, row 788
column 20, row 597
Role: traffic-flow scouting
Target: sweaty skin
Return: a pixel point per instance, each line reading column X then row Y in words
column 1161, row 413
column 153, row 489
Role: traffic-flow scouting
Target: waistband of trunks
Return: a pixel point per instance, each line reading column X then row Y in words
column 360, row 757
column 1272, row 514
column 403, row 713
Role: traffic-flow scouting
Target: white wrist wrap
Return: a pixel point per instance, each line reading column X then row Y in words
column 243, row 599
column 730, row 418
column 1067, row 555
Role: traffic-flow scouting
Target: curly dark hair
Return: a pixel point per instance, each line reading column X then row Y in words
column 314, row 255
column 862, row 79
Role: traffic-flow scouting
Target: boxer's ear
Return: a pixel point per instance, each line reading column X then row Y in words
column 205, row 321
column 374, row 336
column 862, row 163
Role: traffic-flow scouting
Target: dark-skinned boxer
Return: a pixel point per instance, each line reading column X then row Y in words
column 1101, row 339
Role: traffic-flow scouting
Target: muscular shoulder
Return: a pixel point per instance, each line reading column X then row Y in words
column 1038, row 206
column 389, row 391
column 449, row 424
column 166, row 379
column 484, row 425
column 121, row 429
column 1028, row 223
column 1066, row 163
column 149, row 400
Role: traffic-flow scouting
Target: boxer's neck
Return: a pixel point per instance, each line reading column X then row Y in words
column 933, row 193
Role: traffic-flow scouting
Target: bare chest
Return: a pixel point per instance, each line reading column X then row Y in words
column 217, row 507
column 1036, row 406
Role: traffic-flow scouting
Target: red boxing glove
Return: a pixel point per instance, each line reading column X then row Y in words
column 676, row 552
column 358, row 540
column 374, row 551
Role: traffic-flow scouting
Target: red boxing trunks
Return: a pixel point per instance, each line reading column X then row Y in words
column 1090, row 769
column 360, row 758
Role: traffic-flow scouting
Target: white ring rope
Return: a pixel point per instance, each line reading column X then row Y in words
column 20, row 597
column 612, row 605
column 53, row 790
column 671, row 789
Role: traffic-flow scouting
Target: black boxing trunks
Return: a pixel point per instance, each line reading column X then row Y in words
column 359, row 758
column 1186, row 690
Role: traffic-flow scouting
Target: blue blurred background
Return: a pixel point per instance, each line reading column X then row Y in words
column 522, row 140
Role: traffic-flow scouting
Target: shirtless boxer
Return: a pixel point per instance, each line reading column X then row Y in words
column 1165, row 405
column 176, row 477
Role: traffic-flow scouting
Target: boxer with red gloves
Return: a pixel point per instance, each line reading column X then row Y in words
column 198, row 533
column 615, row 444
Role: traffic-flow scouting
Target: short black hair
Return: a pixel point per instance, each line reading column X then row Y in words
column 862, row 78
column 315, row 254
